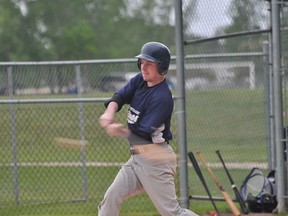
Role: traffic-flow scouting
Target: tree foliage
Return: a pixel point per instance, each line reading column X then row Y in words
column 15, row 34
column 81, row 29
column 93, row 29
column 246, row 15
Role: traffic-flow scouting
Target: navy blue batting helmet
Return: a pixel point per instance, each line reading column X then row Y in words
column 155, row 52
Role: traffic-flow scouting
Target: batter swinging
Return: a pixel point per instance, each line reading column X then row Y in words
column 152, row 165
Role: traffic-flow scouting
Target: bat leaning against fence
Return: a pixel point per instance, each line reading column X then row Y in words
column 227, row 198
column 233, row 185
column 201, row 177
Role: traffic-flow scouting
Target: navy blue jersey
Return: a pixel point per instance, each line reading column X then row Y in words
column 150, row 110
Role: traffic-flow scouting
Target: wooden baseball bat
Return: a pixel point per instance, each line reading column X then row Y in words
column 70, row 143
column 233, row 185
column 227, row 198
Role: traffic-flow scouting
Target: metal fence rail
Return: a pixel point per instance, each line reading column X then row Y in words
column 52, row 149
column 37, row 170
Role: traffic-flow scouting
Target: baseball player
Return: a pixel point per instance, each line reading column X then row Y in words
column 152, row 165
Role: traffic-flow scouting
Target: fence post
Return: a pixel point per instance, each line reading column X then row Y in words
column 82, row 134
column 268, row 91
column 14, row 142
column 278, row 105
column 181, row 112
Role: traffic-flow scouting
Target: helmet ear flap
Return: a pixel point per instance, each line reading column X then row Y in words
column 139, row 63
column 162, row 70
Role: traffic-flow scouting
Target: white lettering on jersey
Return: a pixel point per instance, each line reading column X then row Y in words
column 134, row 110
column 133, row 115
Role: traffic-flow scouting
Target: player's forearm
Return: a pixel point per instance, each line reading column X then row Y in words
column 109, row 115
column 107, row 122
column 112, row 107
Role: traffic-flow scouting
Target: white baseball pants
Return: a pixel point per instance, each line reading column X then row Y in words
column 155, row 177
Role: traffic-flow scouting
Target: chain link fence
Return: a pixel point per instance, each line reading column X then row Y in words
column 229, row 82
column 53, row 151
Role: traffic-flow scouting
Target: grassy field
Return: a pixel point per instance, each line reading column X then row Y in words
column 232, row 121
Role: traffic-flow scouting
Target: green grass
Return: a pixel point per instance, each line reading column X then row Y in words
column 232, row 121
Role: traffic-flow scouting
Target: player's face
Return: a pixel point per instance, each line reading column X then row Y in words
column 150, row 72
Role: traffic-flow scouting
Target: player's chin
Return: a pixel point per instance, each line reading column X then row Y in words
column 145, row 76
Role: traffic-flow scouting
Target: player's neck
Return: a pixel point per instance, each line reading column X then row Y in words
column 155, row 82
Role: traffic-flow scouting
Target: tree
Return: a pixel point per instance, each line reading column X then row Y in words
column 82, row 29
column 15, row 34
column 246, row 16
